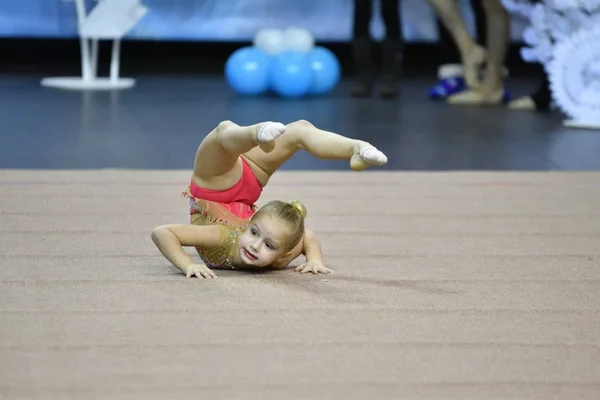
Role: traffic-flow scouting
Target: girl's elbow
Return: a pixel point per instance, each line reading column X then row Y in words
column 157, row 233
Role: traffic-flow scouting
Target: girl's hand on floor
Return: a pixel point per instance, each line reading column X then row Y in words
column 315, row 267
column 201, row 271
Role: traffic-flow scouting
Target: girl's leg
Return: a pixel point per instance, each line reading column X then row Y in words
column 302, row 135
column 216, row 163
column 473, row 55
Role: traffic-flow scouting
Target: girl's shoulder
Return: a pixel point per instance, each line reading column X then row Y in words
column 222, row 255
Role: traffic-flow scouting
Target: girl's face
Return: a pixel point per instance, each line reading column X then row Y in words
column 263, row 242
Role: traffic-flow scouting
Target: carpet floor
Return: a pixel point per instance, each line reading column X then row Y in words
column 449, row 285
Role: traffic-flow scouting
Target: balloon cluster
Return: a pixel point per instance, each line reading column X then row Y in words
column 285, row 62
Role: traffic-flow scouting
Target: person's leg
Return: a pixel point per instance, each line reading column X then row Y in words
column 390, row 13
column 543, row 96
column 302, row 135
column 448, row 54
column 450, row 70
column 472, row 54
column 361, row 18
column 491, row 90
column 537, row 101
column 391, row 48
column 498, row 34
column 216, row 163
column 361, row 48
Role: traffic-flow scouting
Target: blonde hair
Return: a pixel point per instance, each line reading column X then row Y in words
column 292, row 213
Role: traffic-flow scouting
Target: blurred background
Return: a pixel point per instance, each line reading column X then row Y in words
column 227, row 20
column 199, row 35
column 178, row 52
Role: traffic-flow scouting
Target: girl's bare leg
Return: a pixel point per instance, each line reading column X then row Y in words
column 491, row 91
column 472, row 54
column 217, row 164
column 302, row 135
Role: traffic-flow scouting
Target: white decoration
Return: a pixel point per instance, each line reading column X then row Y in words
column 275, row 41
column 271, row 41
column 564, row 37
column 298, row 39
column 575, row 78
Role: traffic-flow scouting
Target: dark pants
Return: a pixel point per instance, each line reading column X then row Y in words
column 542, row 97
column 391, row 48
column 390, row 13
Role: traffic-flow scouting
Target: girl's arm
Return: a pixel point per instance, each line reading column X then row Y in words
column 170, row 239
column 311, row 248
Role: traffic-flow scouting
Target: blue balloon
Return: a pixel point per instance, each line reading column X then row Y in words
column 247, row 71
column 326, row 71
column 290, row 74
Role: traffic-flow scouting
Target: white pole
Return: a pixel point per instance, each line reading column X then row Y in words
column 86, row 69
column 94, row 59
column 114, row 62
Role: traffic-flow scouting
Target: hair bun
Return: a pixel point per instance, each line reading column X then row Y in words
column 299, row 206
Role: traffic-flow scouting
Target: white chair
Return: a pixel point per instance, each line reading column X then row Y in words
column 109, row 20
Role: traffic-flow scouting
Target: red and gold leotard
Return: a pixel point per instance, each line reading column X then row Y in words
column 231, row 208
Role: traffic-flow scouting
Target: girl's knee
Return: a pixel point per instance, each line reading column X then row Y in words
column 223, row 125
column 301, row 123
column 295, row 133
column 221, row 130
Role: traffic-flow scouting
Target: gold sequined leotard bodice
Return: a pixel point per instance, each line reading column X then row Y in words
column 204, row 212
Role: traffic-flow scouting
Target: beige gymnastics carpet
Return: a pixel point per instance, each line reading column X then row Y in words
column 446, row 286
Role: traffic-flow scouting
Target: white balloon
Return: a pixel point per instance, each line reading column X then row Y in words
column 298, row 39
column 270, row 41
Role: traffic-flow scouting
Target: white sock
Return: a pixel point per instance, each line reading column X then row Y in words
column 372, row 156
column 270, row 131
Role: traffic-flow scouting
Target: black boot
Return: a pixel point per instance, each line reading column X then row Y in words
column 543, row 96
column 391, row 64
column 363, row 67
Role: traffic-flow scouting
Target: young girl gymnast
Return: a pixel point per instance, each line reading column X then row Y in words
column 232, row 166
